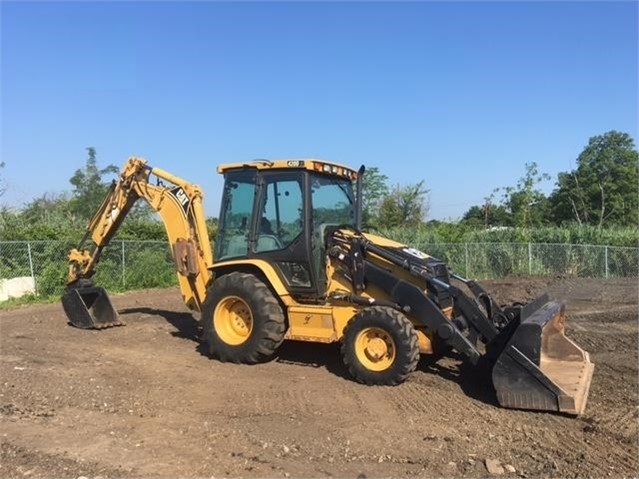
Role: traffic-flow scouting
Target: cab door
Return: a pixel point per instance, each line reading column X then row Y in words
column 281, row 228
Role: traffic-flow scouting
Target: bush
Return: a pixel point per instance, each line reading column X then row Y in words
column 462, row 233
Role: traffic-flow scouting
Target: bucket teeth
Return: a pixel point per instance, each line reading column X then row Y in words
column 108, row 325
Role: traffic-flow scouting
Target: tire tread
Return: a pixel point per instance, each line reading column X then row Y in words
column 272, row 323
column 407, row 345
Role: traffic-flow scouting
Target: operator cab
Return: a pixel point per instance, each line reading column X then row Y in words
column 279, row 211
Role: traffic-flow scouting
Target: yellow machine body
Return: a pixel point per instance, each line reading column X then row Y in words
column 293, row 264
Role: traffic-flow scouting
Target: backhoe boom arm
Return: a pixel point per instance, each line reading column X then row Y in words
column 179, row 204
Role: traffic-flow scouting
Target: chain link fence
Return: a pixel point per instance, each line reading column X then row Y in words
column 124, row 265
column 129, row 265
column 497, row 260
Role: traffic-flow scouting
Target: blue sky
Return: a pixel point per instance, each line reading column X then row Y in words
column 460, row 95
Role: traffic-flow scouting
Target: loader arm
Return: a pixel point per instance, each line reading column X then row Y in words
column 532, row 364
column 179, row 204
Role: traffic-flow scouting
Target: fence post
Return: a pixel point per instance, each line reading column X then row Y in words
column 35, row 289
column 606, row 256
column 123, row 268
column 529, row 259
column 466, row 272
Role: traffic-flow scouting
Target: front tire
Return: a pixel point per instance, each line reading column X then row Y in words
column 242, row 321
column 380, row 346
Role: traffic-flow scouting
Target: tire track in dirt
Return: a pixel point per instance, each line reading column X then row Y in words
column 621, row 424
column 288, row 402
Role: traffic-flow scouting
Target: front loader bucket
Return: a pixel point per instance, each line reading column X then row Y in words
column 539, row 367
column 89, row 307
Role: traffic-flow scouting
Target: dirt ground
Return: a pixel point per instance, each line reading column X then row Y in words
column 144, row 401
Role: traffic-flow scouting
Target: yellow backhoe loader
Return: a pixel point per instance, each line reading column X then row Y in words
column 292, row 262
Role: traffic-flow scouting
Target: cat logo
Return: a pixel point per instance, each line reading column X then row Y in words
column 181, row 197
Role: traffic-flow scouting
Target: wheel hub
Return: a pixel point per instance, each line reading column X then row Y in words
column 233, row 320
column 376, row 348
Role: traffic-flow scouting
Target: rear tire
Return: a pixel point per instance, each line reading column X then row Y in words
column 242, row 321
column 380, row 346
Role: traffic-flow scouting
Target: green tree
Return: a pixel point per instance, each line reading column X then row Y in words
column 528, row 205
column 374, row 189
column 604, row 188
column 487, row 215
column 89, row 189
column 404, row 205
column 522, row 205
column 491, row 213
column 46, row 217
column 48, row 209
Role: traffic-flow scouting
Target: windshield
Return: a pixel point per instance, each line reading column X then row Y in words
column 333, row 200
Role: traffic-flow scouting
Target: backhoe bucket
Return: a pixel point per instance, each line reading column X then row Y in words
column 539, row 367
column 89, row 307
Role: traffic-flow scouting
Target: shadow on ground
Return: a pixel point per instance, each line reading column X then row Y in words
column 316, row 355
column 185, row 324
column 474, row 381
